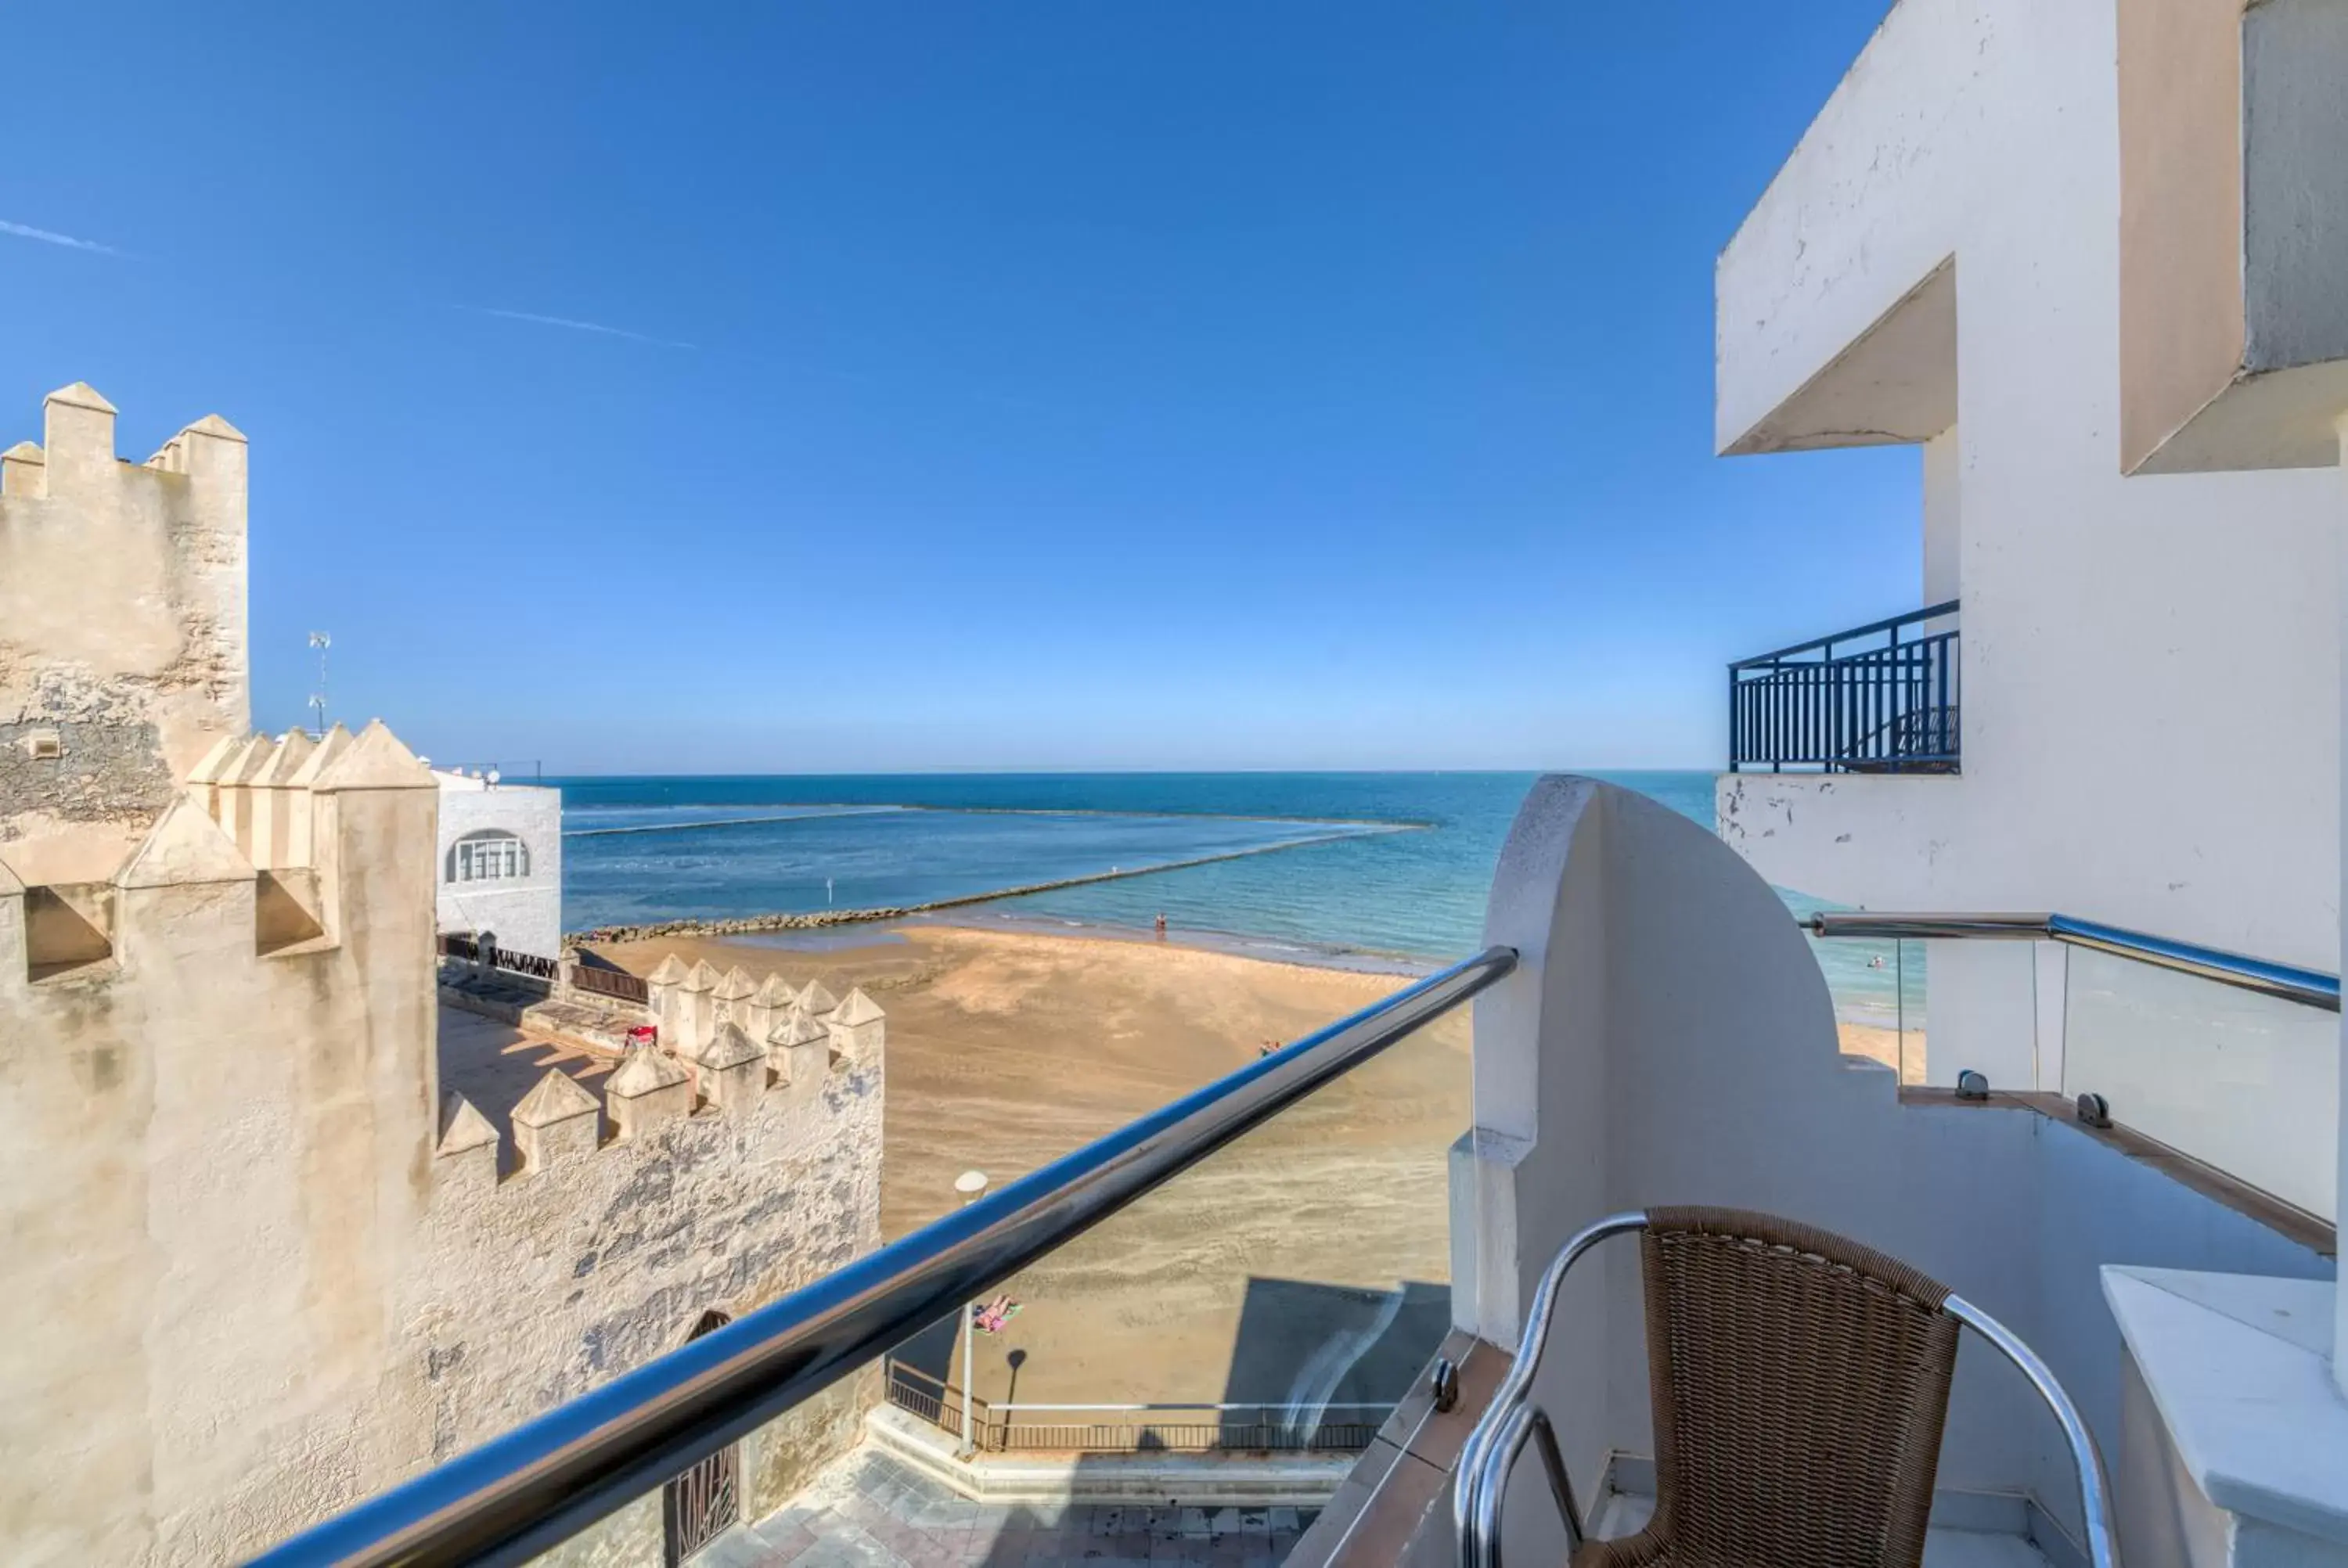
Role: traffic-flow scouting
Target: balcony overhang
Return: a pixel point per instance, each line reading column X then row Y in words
column 1895, row 385
column 2233, row 233
column 1836, row 301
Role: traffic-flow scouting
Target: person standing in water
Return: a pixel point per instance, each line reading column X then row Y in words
column 1161, row 928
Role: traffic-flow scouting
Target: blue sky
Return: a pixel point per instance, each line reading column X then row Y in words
column 1024, row 385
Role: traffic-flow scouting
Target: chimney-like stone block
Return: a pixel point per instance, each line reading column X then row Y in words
column 650, row 1088
column 23, row 472
column 733, row 1070
column 77, row 443
column 766, row 1011
column 556, row 1122
column 696, row 1011
column 467, row 1153
column 661, row 999
column 799, row 1050
column 858, row 1027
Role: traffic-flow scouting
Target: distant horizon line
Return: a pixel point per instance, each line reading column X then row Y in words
column 1084, row 771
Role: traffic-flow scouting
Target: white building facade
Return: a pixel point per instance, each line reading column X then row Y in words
column 2094, row 261
column 500, row 866
column 2149, row 667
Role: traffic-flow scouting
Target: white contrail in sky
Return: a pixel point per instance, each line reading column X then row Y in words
column 575, row 326
column 46, row 237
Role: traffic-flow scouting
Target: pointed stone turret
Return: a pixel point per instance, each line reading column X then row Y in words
column 650, row 1088
column 328, row 750
column 800, row 1050
column 185, row 846
column 22, row 471
column 301, row 802
column 273, row 815
column 246, row 765
column 731, row 999
column 294, row 748
column 696, row 1010
column 733, row 1069
column 462, row 1127
column 661, row 999
column 77, row 441
column 375, row 759
column 856, row 1009
column 557, row 1121
column 857, row 1027
column 468, row 1150
column 204, row 782
column 215, row 762
column 232, row 791
column 764, row 1010
column 213, row 425
column 816, row 1001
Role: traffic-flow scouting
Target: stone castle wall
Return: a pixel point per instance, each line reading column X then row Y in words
column 123, row 631
column 259, row 1268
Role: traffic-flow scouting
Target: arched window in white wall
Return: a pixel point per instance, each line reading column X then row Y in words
column 488, row 855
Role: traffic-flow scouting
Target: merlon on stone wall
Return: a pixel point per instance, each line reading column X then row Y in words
column 856, row 1008
column 186, row 846
column 463, row 1127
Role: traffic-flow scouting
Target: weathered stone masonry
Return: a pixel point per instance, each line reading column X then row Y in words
column 258, row 1269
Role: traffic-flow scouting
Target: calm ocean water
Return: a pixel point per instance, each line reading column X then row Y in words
column 1393, row 865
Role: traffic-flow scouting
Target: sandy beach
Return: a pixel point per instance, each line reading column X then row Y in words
column 1308, row 1262
column 1006, row 1051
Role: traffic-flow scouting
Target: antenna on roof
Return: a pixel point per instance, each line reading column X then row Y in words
column 320, row 642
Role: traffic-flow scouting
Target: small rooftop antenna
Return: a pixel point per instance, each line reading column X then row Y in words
column 320, row 642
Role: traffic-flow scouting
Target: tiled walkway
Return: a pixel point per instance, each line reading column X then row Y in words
column 867, row 1510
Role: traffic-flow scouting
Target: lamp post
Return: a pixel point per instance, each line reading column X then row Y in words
column 972, row 1186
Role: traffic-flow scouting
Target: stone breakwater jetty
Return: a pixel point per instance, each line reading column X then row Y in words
column 815, row 919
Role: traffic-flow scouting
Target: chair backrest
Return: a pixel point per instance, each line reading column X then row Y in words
column 1799, row 1382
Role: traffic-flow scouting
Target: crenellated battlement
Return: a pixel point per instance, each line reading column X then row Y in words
column 754, row 1046
column 123, row 631
column 264, row 1265
column 268, row 827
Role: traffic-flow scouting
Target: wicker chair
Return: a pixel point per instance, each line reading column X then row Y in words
column 1799, row 1382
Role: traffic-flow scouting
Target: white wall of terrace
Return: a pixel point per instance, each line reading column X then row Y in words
column 2151, row 685
column 1668, row 1039
column 2233, row 240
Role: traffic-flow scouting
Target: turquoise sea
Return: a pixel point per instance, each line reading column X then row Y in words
column 1358, row 867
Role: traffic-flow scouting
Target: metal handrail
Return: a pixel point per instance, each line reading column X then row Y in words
column 2309, row 987
column 1933, row 613
column 1883, row 705
column 516, row 1495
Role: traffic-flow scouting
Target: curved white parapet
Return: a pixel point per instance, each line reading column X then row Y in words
column 1669, row 1039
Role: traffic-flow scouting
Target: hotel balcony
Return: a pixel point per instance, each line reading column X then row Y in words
column 1844, row 755
column 1881, row 698
column 2136, row 1239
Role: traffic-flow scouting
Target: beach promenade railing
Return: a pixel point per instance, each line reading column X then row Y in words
column 2230, row 1061
column 516, row 1495
column 454, row 946
column 1879, row 698
column 1139, row 1427
column 617, row 984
